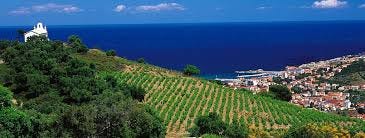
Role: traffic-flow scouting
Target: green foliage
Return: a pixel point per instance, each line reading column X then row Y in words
column 302, row 76
column 40, row 66
column 316, row 131
column 354, row 73
column 357, row 96
column 63, row 97
column 191, row 70
column 14, row 123
column 235, row 130
column 101, row 61
column 76, row 43
column 178, row 100
column 112, row 115
column 356, row 66
column 210, row 136
column 297, row 89
column 136, row 92
column 141, row 60
column 77, row 95
column 111, row 53
column 5, row 97
column 361, row 110
column 281, row 92
column 6, row 43
column 277, row 80
column 268, row 94
column 213, row 124
column 280, row 80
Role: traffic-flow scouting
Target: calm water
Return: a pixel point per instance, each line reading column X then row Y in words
column 220, row 49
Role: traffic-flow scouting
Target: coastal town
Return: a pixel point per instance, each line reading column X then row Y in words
column 308, row 84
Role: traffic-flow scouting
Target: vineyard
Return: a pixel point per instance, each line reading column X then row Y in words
column 179, row 100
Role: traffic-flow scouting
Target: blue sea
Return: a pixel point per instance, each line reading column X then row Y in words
column 219, row 48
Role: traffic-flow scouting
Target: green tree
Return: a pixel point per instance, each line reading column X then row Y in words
column 211, row 124
column 141, row 60
column 13, row 122
column 235, row 130
column 112, row 115
column 62, row 96
column 111, row 53
column 6, row 97
column 76, row 43
column 136, row 92
column 316, row 131
column 361, row 110
column 281, row 92
column 191, row 70
column 297, row 89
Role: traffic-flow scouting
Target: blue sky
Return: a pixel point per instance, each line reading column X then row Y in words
column 70, row 12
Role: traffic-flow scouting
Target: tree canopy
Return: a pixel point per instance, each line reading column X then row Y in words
column 111, row 53
column 62, row 96
column 317, row 131
column 213, row 124
column 281, row 92
column 191, row 70
column 141, row 60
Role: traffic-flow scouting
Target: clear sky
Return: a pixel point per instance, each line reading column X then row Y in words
column 71, row 12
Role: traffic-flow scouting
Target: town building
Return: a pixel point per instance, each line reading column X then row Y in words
column 38, row 30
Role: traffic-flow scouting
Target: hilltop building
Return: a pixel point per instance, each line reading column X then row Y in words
column 38, row 30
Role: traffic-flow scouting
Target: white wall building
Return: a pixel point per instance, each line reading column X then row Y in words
column 37, row 31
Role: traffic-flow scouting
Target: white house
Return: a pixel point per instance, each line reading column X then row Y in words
column 37, row 31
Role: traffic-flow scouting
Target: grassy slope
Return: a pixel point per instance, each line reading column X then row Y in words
column 180, row 99
column 351, row 75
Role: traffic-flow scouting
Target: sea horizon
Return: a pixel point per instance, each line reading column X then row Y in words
column 193, row 23
column 219, row 49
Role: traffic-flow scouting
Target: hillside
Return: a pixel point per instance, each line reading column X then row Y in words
column 179, row 100
column 353, row 74
column 53, row 89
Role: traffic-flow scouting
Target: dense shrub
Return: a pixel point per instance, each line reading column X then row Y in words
column 316, row 131
column 76, row 43
column 213, row 124
column 62, row 96
column 191, row 70
column 141, row 60
column 111, row 53
column 6, row 97
column 281, row 92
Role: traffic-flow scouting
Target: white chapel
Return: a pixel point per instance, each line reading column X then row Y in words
column 37, row 31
